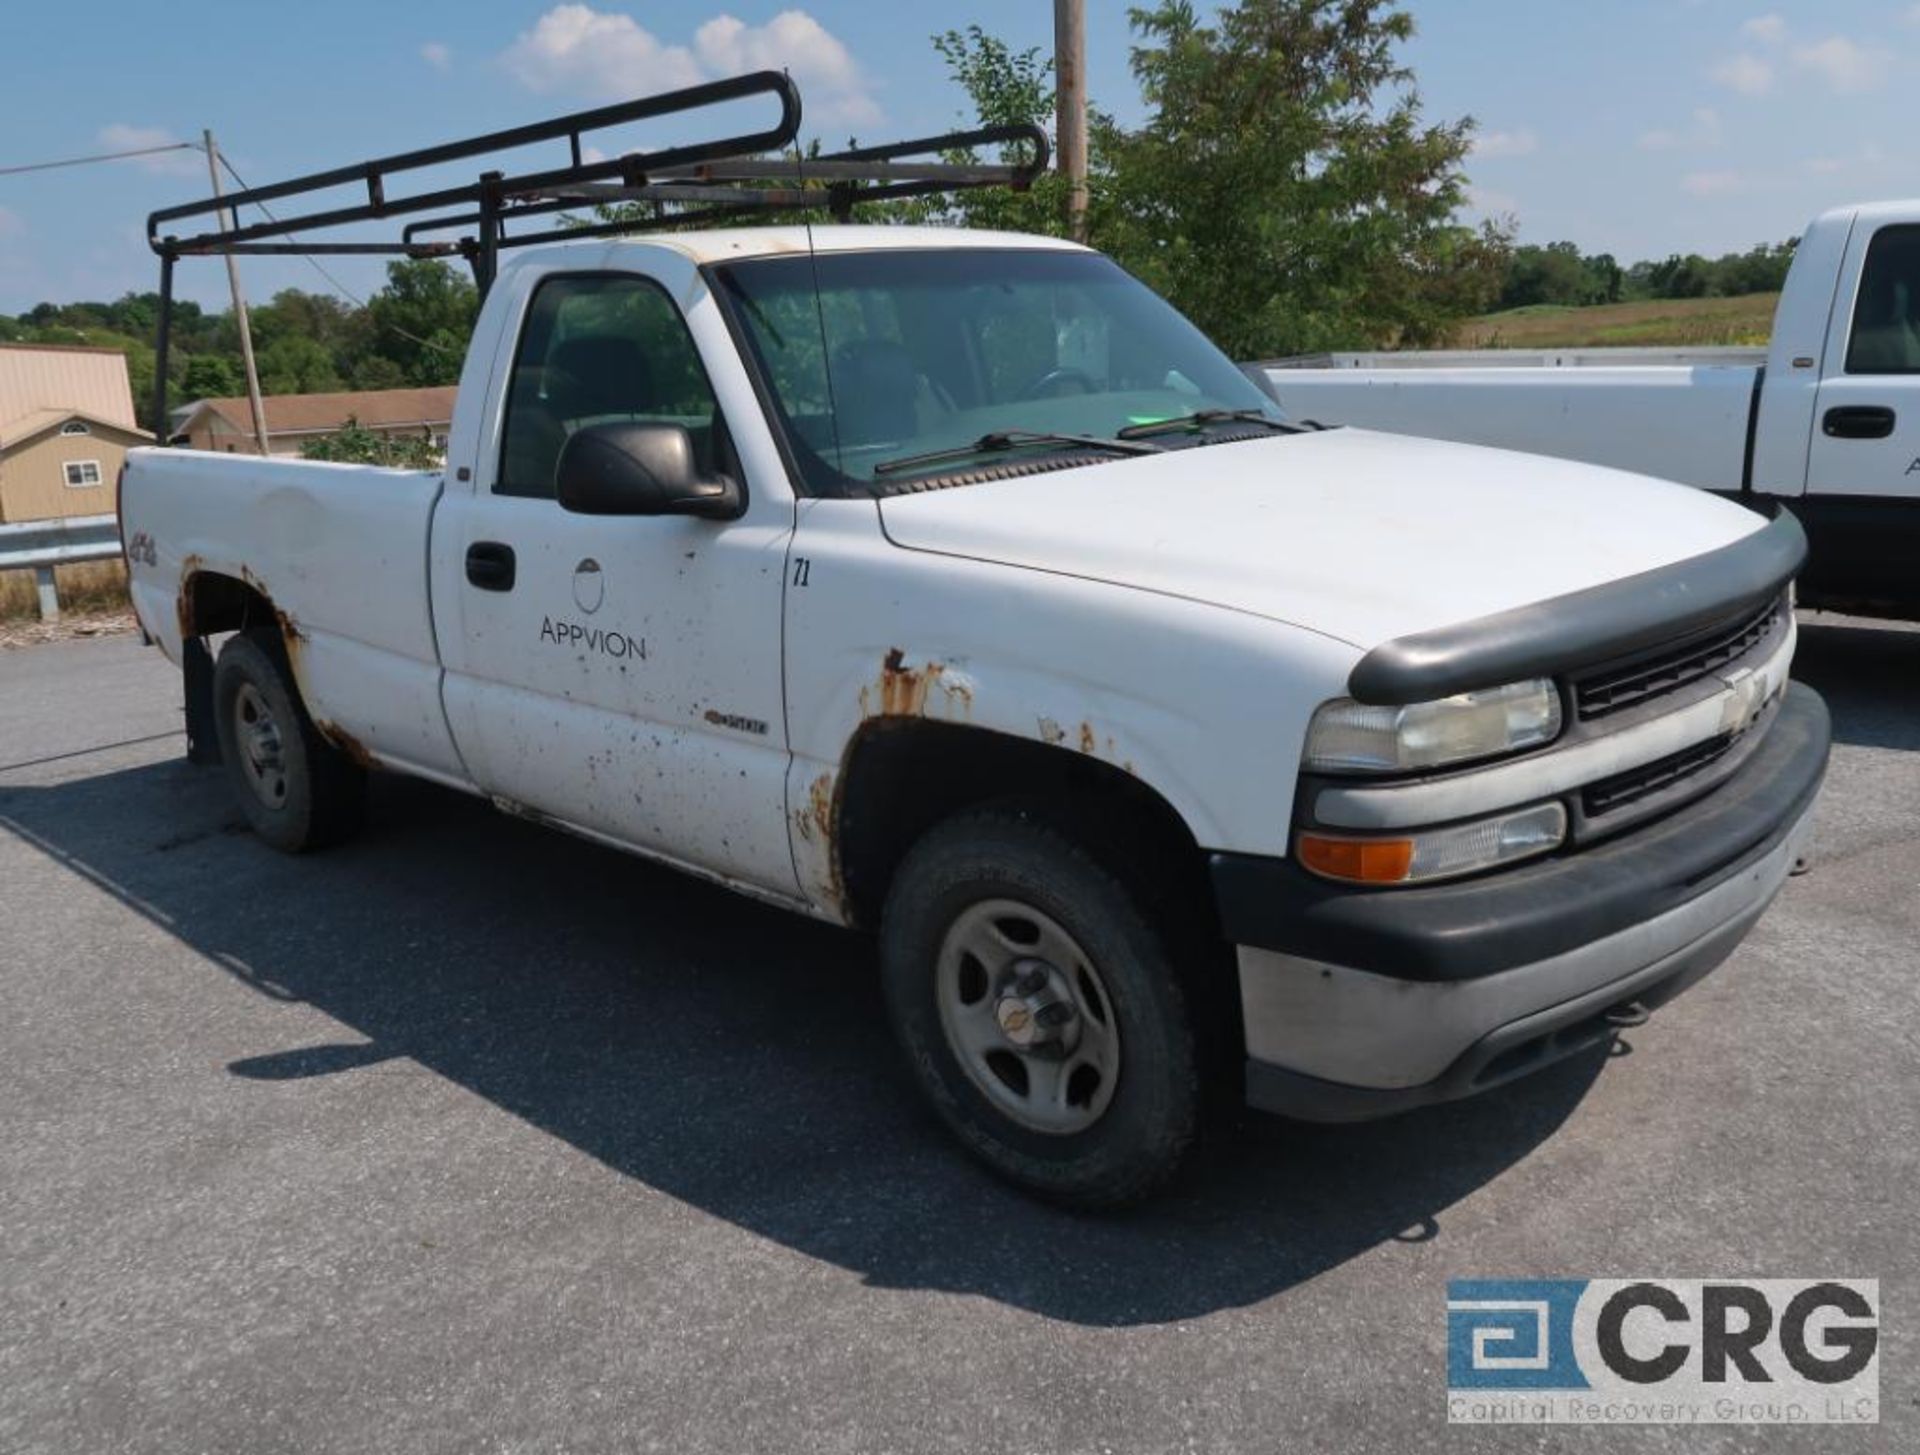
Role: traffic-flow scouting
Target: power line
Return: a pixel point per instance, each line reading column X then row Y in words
column 338, row 286
column 177, row 146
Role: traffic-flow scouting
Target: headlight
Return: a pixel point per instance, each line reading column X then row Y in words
column 1442, row 853
column 1353, row 737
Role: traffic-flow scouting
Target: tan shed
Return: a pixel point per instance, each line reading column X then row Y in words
column 61, row 463
column 66, row 424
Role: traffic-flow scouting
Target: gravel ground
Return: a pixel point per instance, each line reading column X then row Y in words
column 471, row 1137
column 26, row 631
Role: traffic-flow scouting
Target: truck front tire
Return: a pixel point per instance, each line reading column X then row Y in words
column 297, row 790
column 1040, row 1008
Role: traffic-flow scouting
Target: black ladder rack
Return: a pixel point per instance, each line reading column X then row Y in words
column 750, row 174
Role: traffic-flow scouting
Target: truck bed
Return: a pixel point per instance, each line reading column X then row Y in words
column 341, row 550
column 1578, row 358
column 1677, row 421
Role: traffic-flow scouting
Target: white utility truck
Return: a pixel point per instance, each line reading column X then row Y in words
column 1824, row 422
column 952, row 585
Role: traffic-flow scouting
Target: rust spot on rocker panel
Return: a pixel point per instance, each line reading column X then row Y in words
column 346, row 742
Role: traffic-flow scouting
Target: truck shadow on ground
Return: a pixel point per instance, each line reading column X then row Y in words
column 1869, row 675
column 732, row 1056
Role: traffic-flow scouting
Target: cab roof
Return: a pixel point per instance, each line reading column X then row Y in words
column 732, row 244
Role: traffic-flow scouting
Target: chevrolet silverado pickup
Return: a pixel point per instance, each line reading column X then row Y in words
column 1824, row 422
column 951, row 585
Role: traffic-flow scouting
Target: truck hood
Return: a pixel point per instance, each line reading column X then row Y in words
column 1356, row 535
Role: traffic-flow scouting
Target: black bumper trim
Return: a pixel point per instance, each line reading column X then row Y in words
column 1583, row 628
column 1517, row 916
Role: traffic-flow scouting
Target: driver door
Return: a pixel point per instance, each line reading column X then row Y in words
column 619, row 674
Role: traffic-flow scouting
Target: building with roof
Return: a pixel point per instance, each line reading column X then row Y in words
column 66, row 424
column 294, row 419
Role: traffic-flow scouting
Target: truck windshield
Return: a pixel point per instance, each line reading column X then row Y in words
column 903, row 361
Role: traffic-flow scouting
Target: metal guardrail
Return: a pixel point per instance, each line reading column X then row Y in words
column 40, row 545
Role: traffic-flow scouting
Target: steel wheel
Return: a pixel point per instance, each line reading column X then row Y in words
column 262, row 749
column 1027, row 1016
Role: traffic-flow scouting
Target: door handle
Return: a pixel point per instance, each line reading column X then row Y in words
column 1858, row 422
column 490, row 565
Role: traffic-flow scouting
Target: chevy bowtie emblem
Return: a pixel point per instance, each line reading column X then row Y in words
column 1746, row 695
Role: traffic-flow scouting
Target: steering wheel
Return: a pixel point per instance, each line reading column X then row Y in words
column 1045, row 386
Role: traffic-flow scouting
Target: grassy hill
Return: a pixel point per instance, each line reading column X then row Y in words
column 1655, row 322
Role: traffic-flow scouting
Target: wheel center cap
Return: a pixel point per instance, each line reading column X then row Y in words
column 1034, row 1011
column 263, row 745
column 1017, row 1021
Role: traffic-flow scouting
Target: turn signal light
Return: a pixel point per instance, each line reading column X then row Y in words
column 1442, row 853
column 1367, row 861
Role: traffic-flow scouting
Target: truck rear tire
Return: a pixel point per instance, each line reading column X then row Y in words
column 297, row 790
column 1040, row 1008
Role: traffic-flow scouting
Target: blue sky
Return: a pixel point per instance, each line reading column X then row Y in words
column 1638, row 126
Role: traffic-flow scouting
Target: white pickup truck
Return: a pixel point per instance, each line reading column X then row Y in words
column 952, row 585
column 1824, row 422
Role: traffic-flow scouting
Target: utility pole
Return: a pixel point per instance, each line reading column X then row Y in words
column 1070, row 100
column 239, row 308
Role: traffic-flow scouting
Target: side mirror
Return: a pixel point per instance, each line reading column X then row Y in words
column 640, row 469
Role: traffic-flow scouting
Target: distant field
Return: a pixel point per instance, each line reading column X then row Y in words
column 1680, row 322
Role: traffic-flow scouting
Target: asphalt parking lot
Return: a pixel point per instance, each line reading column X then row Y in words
column 473, row 1137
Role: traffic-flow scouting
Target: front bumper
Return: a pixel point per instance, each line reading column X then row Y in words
column 1359, row 1003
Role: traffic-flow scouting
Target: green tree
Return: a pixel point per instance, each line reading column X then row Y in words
column 377, row 371
column 295, row 364
column 423, row 318
column 1007, row 88
column 210, row 376
column 1283, row 190
column 1560, row 273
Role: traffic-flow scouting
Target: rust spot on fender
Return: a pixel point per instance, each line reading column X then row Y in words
column 814, row 822
column 1088, row 744
column 183, row 598
column 289, row 628
column 820, row 806
column 904, row 691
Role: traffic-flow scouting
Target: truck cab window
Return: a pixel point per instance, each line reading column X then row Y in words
column 870, row 357
column 1886, row 316
column 595, row 349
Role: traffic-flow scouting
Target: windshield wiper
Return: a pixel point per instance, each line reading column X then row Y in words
column 1016, row 439
column 1199, row 419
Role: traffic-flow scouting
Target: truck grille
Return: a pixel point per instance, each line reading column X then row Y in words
column 1668, row 669
column 1649, row 778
